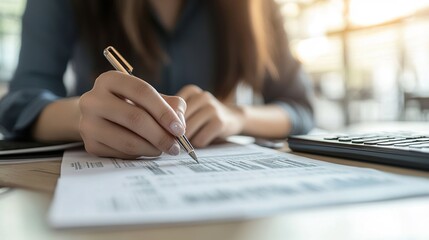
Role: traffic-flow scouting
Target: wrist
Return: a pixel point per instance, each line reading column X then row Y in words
column 75, row 132
column 58, row 121
column 239, row 119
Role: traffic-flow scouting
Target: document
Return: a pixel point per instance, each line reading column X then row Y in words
column 231, row 182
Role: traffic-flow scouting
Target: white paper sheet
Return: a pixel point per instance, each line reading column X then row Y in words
column 231, row 182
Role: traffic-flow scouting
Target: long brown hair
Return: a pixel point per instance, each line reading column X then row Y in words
column 250, row 39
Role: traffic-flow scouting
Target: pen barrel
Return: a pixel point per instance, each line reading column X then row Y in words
column 184, row 142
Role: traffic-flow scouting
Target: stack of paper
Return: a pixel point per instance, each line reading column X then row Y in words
column 231, row 182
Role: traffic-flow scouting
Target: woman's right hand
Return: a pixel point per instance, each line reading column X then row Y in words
column 112, row 126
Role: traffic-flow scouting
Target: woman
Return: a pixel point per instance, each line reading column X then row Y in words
column 193, row 51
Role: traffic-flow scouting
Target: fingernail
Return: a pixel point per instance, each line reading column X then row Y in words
column 182, row 118
column 177, row 128
column 174, row 150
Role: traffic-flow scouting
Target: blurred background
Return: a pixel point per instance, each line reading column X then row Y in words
column 369, row 59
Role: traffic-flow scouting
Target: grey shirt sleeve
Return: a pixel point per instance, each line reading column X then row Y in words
column 48, row 37
column 292, row 92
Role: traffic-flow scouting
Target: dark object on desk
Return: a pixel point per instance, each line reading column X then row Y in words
column 403, row 149
column 25, row 149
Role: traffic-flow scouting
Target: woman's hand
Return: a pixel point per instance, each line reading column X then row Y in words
column 207, row 118
column 125, row 117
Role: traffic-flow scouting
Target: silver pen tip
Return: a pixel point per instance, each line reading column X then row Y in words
column 194, row 156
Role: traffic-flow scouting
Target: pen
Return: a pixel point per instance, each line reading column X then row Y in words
column 120, row 64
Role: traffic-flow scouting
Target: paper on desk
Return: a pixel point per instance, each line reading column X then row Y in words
column 231, row 182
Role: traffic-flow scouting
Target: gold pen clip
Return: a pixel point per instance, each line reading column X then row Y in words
column 116, row 59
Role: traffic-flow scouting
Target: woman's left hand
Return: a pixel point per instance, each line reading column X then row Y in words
column 207, row 118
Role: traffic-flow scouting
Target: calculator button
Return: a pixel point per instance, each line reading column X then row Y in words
column 405, row 144
column 331, row 138
column 380, row 140
column 425, row 145
column 367, row 139
column 348, row 139
column 393, row 141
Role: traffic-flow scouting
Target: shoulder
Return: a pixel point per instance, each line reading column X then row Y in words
column 46, row 20
column 48, row 11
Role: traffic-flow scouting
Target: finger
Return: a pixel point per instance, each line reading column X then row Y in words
column 178, row 104
column 198, row 120
column 144, row 95
column 197, row 102
column 117, row 138
column 101, row 150
column 188, row 91
column 138, row 121
column 206, row 134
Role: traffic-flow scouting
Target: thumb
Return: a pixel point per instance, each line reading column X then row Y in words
column 178, row 105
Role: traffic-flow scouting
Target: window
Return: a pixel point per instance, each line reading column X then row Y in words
column 367, row 57
column 10, row 31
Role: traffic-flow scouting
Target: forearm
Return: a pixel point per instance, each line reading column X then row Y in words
column 268, row 121
column 59, row 121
